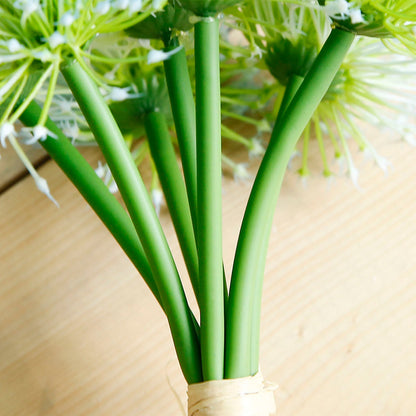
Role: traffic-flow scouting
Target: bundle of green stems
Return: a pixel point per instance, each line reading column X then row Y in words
column 223, row 341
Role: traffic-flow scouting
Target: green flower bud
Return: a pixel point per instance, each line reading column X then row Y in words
column 285, row 58
column 161, row 25
column 152, row 96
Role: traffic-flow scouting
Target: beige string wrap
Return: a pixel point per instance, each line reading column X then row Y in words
column 248, row 396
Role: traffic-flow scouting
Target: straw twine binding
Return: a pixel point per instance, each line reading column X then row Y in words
column 248, row 396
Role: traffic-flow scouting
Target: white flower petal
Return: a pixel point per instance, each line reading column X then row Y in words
column 67, row 19
column 135, row 6
column 56, row 39
column 155, row 56
column 240, row 172
column 13, row 45
column 256, row 149
column 100, row 170
column 157, row 199
column 44, row 55
column 42, row 185
column 118, row 94
column 102, row 8
column 121, row 4
column 157, row 4
column 6, row 130
column 356, row 16
column 40, row 133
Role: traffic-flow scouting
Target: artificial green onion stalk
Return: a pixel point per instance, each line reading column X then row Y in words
column 209, row 242
column 294, row 82
column 183, row 110
column 164, row 157
column 164, row 25
column 264, row 196
column 144, row 218
column 209, row 204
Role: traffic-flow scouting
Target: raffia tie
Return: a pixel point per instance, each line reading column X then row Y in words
column 248, row 396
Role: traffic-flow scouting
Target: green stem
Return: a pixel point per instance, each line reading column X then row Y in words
column 264, row 196
column 144, row 218
column 164, row 157
column 209, row 241
column 91, row 187
column 290, row 91
column 183, row 110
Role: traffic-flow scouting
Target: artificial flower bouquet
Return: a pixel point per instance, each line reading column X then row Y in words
column 114, row 71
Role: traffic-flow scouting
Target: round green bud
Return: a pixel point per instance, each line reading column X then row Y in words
column 285, row 58
column 153, row 96
column 163, row 24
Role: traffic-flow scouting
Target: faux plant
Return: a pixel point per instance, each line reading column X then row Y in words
column 75, row 70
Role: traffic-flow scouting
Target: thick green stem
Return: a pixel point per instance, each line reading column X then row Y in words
column 164, row 157
column 264, row 196
column 290, row 91
column 183, row 110
column 144, row 218
column 91, row 187
column 209, row 241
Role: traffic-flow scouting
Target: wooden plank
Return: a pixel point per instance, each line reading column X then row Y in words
column 81, row 335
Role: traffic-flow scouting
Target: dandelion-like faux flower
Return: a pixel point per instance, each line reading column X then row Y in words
column 291, row 35
column 364, row 90
column 54, row 32
column 37, row 38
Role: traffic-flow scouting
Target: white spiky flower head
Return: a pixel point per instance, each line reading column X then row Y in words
column 363, row 93
column 54, row 32
column 290, row 35
column 37, row 37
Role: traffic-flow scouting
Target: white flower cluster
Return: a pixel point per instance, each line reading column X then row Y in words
column 343, row 9
column 53, row 32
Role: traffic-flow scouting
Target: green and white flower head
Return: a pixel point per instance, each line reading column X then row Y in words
column 289, row 35
column 36, row 38
column 375, row 18
column 363, row 93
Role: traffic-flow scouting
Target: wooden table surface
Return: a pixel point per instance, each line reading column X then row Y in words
column 81, row 335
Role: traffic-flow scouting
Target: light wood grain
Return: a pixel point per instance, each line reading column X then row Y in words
column 81, row 335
